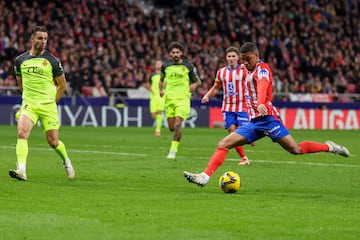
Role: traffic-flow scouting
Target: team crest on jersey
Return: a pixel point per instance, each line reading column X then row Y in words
column 263, row 73
column 44, row 63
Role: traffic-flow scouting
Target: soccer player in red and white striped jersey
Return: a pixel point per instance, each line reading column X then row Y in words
column 264, row 120
column 234, row 108
column 260, row 92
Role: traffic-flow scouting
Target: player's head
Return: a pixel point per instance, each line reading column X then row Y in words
column 249, row 55
column 232, row 55
column 39, row 36
column 158, row 64
column 176, row 50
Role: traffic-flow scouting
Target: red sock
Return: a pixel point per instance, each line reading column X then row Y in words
column 313, row 147
column 216, row 160
column 240, row 151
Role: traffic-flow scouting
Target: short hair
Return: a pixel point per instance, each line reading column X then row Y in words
column 248, row 47
column 232, row 49
column 38, row 29
column 177, row 45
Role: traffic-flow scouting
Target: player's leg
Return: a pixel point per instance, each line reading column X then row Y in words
column 159, row 115
column 156, row 113
column 158, row 123
column 176, row 137
column 239, row 149
column 27, row 117
column 230, row 141
column 60, row 149
column 236, row 138
column 50, row 121
column 170, row 117
column 230, row 124
column 305, row 147
column 289, row 144
column 174, row 144
column 234, row 121
column 180, row 111
column 24, row 127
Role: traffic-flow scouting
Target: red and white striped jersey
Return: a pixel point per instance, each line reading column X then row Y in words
column 233, row 84
column 261, row 72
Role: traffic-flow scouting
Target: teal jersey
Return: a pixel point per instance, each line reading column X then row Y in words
column 38, row 73
column 154, row 81
column 177, row 78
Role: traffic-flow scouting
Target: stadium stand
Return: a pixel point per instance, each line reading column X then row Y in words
column 313, row 46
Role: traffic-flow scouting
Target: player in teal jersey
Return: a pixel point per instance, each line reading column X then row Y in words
column 178, row 78
column 156, row 101
column 41, row 80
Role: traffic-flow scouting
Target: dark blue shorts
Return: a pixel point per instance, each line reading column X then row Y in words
column 235, row 118
column 260, row 127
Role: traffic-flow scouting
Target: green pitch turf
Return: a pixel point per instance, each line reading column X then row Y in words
column 127, row 189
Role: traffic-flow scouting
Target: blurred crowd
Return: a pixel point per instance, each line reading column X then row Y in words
column 313, row 46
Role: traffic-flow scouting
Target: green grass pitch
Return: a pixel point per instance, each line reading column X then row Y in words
column 127, row 189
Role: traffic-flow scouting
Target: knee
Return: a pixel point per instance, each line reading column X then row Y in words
column 53, row 143
column 171, row 129
column 295, row 150
column 221, row 144
column 22, row 134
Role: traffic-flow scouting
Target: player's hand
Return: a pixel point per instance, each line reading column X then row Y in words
column 262, row 109
column 162, row 93
column 205, row 99
column 193, row 87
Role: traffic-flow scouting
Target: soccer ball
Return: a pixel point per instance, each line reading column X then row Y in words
column 229, row 182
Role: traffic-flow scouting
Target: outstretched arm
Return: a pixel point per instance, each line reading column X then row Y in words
column 212, row 92
column 61, row 86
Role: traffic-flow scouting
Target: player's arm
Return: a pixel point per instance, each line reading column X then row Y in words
column 161, row 85
column 18, row 74
column 19, row 82
column 61, row 86
column 262, row 86
column 194, row 78
column 212, row 92
column 195, row 84
column 148, row 84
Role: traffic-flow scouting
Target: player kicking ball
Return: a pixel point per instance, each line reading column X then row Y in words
column 264, row 120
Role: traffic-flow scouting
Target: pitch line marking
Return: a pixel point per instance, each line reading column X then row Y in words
column 227, row 159
column 300, row 163
column 85, row 151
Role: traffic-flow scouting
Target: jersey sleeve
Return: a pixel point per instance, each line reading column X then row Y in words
column 193, row 74
column 17, row 67
column 218, row 80
column 58, row 70
column 56, row 65
column 163, row 67
column 263, row 81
